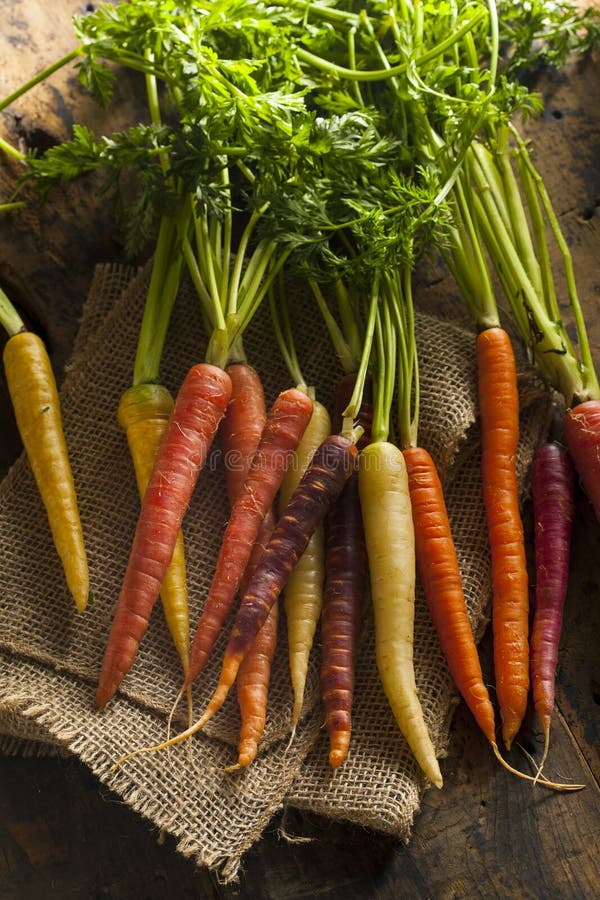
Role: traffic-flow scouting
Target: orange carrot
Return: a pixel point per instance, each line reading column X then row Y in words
column 285, row 425
column 499, row 414
column 253, row 688
column 199, row 407
column 437, row 565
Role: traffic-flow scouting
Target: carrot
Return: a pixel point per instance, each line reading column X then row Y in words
column 346, row 568
column 552, row 487
column 304, row 588
column 582, row 433
column 240, row 435
column 199, row 407
column 285, row 425
column 319, row 487
column 242, row 426
column 439, row 573
column 253, row 688
column 143, row 413
column 36, row 403
column 389, row 535
column 499, row 415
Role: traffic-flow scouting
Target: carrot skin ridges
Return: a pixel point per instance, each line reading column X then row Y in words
column 552, row 488
column 319, row 487
column 34, row 395
column 345, row 586
column 439, row 573
column 199, row 408
column 283, row 430
column 143, row 414
column 390, row 541
column 499, row 416
column 582, row 433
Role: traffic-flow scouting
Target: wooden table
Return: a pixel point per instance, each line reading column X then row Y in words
column 63, row 835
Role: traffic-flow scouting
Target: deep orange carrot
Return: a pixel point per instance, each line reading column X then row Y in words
column 199, row 407
column 253, row 688
column 285, row 425
column 499, row 416
column 437, row 565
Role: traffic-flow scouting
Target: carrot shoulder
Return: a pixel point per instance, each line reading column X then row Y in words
column 36, row 404
column 499, row 413
column 199, row 408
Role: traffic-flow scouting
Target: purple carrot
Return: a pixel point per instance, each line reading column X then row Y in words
column 552, row 485
column 345, row 585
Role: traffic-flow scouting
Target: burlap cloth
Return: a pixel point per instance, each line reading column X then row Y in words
column 50, row 655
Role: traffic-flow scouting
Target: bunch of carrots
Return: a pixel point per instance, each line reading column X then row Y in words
column 339, row 147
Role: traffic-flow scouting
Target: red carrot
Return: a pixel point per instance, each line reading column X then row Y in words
column 439, row 573
column 199, row 407
column 285, row 425
column 345, row 585
column 499, row 414
column 582, row 432
column 552, row 487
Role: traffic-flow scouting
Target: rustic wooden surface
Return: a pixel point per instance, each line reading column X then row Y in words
column 63, row 835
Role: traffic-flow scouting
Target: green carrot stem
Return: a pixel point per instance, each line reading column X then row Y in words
column 549, row 339
column 538, row 227
column 520, row 226
column 278, row 306
column 347, row 359
column 234, row 281
column 10, row 207
column 467, row 261
column 10, row 150
column 380, row 414
column 41, row 76
column 10, row 318
column 164, row 282
column 373, row 75
column 349, row 318
column 592, row 386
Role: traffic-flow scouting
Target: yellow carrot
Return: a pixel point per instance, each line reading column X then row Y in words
column 143, row 413
column 34, row 396
column 390, row 542
column 304, row 588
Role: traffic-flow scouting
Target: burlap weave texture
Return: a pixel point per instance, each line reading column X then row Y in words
column 50, row 655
